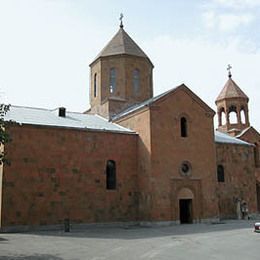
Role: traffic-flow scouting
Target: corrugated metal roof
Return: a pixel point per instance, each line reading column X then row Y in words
column 45, row 117
column 225, row 138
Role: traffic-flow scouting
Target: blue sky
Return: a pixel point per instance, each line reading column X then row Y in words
column 47, row 45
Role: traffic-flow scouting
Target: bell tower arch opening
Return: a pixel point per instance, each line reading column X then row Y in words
column 243, row 115
column 232, row 114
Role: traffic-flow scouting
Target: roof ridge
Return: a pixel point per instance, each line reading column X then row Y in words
column 243, row 131
column 142, row 104
column 149, row 101
column 124, row 34
column 36, row 108
column 44, row 109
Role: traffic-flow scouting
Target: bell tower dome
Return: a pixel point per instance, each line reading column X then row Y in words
column 120, row 76
column 232, row 108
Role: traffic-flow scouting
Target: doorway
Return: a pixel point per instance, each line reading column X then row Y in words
column 185, row 206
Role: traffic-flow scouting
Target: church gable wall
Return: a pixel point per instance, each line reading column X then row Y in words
column 239, row 182
column 170, row 150
column 61, row 173
column 251, row 136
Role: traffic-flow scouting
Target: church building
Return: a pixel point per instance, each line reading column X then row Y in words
column 132, row 157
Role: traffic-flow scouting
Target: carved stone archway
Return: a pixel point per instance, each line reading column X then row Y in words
column 190, row 189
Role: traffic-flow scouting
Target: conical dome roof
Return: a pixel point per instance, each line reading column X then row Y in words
column 231, row 90
column 121, row 43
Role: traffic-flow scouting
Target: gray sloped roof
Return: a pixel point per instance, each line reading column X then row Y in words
column 225, row 138
column 121, row 43
column 46, row 117
column 231, row 90
column 138, row 106
column 148, row 102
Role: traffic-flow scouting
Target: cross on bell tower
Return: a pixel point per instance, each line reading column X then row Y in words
column 229, row 67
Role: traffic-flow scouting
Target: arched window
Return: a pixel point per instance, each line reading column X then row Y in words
column 232, row 115
column 183, row 125
column 222, row 117
column 112, row 80
column 243, row 116
column 95, row 85
column 136, row 81
column 111, row 175
column 221, row 173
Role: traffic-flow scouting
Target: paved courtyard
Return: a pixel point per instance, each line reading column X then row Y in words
column 229, row 240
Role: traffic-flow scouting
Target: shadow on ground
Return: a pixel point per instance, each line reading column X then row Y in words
column 31, row 257
column 142, row 232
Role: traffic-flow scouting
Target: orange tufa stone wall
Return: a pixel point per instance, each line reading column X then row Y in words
column 108, row 104
column 140, row 122
column 163, row 150
column 253, row 136
column 59, row 173
column 240, row 182
column 170, row 150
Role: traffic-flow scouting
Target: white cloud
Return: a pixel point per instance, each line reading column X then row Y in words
column 226, row 21
column 210, row 19
column 230, row 15
column 201, row 65
column 238, row 4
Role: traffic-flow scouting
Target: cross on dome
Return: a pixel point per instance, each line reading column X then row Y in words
column 229, row 67
column 121, row 20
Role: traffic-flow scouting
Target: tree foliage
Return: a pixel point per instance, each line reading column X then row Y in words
column 4, row 137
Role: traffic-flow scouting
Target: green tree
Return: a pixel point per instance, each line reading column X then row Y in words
column 4, row 137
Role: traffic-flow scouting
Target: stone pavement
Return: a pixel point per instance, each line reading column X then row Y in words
column 229, row 240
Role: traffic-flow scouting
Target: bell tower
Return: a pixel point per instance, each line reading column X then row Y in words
column 120, row 76
column 232, row 108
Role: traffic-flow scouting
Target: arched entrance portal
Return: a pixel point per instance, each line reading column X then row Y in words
column 185, row 198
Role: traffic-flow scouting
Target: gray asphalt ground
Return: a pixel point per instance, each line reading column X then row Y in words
column 229, row 240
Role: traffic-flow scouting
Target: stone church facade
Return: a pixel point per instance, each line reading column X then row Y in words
column 131, row 157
